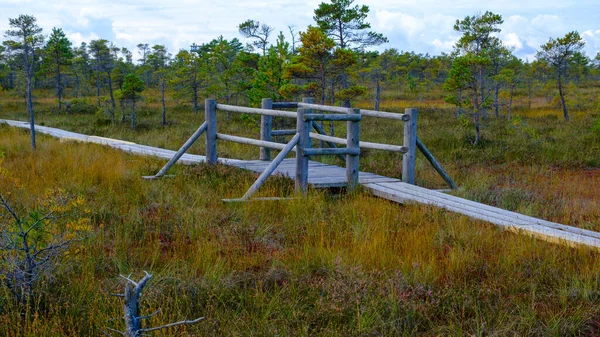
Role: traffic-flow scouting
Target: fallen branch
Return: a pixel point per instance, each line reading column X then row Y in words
column 131, row 309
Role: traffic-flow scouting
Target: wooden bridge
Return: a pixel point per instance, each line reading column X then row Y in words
column 307, row 172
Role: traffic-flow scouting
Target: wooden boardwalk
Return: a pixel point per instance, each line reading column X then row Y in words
column 320, row 175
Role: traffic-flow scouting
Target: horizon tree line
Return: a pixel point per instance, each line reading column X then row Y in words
column 329, row 61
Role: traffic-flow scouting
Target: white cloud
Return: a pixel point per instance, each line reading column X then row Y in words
column 78, row 38
column 423, row 26
column 512, row 40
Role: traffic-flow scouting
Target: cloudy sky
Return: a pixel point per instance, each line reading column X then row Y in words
column 423, row 26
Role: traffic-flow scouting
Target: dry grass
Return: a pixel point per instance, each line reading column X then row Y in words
column 324, row 265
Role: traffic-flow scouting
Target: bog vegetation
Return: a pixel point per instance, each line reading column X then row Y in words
column 523, row 136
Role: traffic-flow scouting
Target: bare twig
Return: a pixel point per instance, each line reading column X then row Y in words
column 194, row 321
column 127, row 278
column 133, row 319
column 7, row 206
column 151, row 315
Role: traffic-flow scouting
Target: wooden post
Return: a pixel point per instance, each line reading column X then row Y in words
column 309, row 100
column 179, row 153
column 266, row 125
column 435, row 164
column 271, row 168
column 410, row 141
column 303, row 128
column 352, row 161
column 210, row 108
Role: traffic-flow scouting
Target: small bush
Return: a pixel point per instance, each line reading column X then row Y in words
column 80, row 106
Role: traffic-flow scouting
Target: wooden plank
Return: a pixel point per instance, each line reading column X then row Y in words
column 492, row 212
column 250, row 141
column 285, row 132
column 515, row 215
column 324, row 175
column 330, row 152
column 266, row 112
column 542, row 232
column 331, row 118
column 363, row 145
column 319, row 107
column 386, row 115
column 285, row 105
column 379, row 179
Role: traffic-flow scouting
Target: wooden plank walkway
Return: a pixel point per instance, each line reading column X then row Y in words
column 323, row 175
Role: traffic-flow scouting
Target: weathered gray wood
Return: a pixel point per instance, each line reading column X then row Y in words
column 285, row 105
column 320, row 130
column 327, row 138
column 319, row 107
column 266, row 126
column 309, row 100
column 258, row 199
column 435, row 164
column 386, row 115
column 410, row 141
column 321, row 175
column 363, row 145
column 519, row 217
column 182, row 150
column 274, row 113
column 286, row 132
column 303, row 128
column 250, row 141
column 395, row 193
column 334, row 118
column 330, row 152
column 272, row 166
column 210, row 111
column 353, row 143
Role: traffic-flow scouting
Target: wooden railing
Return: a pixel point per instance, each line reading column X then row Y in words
column 301, row 139
column 410, row 132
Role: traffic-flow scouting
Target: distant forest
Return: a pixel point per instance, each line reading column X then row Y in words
column 330, row 61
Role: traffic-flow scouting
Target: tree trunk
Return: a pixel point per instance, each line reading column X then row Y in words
column 459, row 105
column 29, row 75
column 30, row 110
column 98, row 87
column 529, row 94
column 133, row 113
column 377, row 95
column 110, row 90
column 162, row 98
column 562, row 97
column 496, row 100
column 482, row 90
column 58, row 86
column 477, row 129
column 195, row 98
column 76, row 85
column 510, row 101
column 476, row 109
column 345, row 86
column 122, row 103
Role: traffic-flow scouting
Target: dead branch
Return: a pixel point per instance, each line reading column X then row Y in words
column 131, row 309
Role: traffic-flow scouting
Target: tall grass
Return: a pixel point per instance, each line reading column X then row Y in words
column 323, row 265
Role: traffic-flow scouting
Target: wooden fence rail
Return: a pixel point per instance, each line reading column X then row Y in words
column 301, row 142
